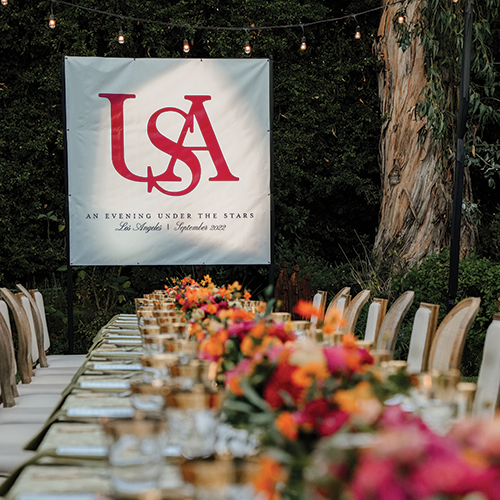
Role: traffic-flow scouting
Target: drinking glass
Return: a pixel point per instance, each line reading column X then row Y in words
column 135, row 453
column 436, row 399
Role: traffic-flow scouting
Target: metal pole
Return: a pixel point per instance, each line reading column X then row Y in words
column 69, row 270
column 271, row 187
column 456, row 219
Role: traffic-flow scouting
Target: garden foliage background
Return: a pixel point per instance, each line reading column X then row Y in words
column 326, row 137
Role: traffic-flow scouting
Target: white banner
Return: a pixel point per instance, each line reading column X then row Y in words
column 168, row 161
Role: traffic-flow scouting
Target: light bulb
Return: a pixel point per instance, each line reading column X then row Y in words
column 357, row 35
column 185, row 46
column 248, row 48
column 52, row 21
column 303, row 45
column 121, row 38
column 455, row 1
column 401, row 19
column 5, row 2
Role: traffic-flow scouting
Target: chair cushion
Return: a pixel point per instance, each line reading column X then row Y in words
column 71, row 360
column 48, row 378
column 12, row 435
column 28, row 389
column 12, row 457
column 18, row 415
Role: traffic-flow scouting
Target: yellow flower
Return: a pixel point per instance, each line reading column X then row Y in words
column 359, row 401
column 305, row 375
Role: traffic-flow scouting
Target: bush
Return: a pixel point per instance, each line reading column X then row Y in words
column 478, row 277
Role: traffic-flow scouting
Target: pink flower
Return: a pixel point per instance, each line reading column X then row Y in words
column 335, row 359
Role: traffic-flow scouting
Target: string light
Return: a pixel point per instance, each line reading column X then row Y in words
column 227, row 28
column 303, row 45
column 121, row 38
column 186, row 47
column 5, row 2
column 401, row 19
column 52, row 19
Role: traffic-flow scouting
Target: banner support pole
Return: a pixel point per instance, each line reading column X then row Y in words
column 271, row 177
column 69, row 269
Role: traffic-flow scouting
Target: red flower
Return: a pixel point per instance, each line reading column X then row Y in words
column 281, row 381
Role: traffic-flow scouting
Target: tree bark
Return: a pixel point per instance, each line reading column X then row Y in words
column 415, row 214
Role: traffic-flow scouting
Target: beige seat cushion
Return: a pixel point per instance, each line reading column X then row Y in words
column 18, row 415
column 12, row 435
column 28, row 389
column 11, row 458
column 63, row 361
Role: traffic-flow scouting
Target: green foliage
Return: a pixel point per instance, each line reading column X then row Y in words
column 478, row 277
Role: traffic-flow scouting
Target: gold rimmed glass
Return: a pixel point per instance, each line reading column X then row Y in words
column 135, row 453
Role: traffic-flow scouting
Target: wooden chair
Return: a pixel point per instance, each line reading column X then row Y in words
column 376, row 314
column 422, row 335
column 392, row 323
column 351, row 314
column 36, row 325
column 7, row 365
column 319, row 303
column 24, row 361
column 339, row 302
column 488, row 383
column 62, row 364
column 448, row 344
column 4, row 312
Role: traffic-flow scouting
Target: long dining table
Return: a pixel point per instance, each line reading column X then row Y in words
column 71, row 449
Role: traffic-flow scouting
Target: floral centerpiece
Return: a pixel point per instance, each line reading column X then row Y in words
column 301, row 392
column 200, row 303
column 404, row 460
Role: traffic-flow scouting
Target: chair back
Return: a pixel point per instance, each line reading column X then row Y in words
column 351, row 314
column 4, row 312
column 488, row 383
column 338, row 303
column 24, row 361
column 41, row 307
column 7, row 368
column 36, row 324
column 389, row 328
column 448, row 344
column 422, row 334
column 319, row 303
column 376, row 314
column 27, row 310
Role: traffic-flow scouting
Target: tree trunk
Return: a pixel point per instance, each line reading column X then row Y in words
column 415, row 214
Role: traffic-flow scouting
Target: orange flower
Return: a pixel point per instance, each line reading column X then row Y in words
column 213, row 347
column 287, row 426
column 334, row 321
column 349, row 341
column 234, row 286
column 351, row 400
column 306, row 374
column 270, row 473
column 211, row 308
column 234, row 385
column 305, row 309
column 247, row 295
column 258, row 330
column 248, row 346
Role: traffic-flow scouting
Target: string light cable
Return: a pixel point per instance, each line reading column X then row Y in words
column 228, row 28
